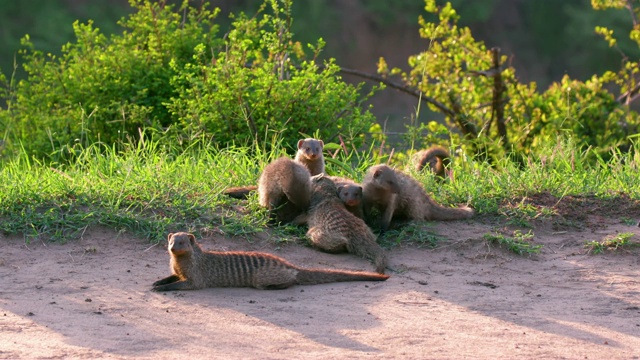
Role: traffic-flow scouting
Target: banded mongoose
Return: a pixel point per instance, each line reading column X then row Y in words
column 284, row 188
column 333, row 228
column 192, row 268
column 436, row 158
column 350, row 193
column 398, row 195
column 310, row 154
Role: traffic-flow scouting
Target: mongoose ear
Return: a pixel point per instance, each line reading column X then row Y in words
column 169, row 238
column 192, row 239
column 300, row 142
column 321, row 143
column 316, row 178
column 377, row 173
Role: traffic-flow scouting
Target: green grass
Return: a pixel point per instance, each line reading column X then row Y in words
column 152, row 188
column 413, row 233
column 611, row 243
column 519, row 244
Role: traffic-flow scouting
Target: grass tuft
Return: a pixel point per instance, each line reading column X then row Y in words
column 519, row 244
column 611, row 243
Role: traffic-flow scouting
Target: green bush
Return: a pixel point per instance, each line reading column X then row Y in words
column 105, row 88
column 260, row 82
column 456, row 75
column 170, row 71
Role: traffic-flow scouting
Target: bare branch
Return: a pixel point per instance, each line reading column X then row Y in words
column 406, row 89
column 498, row 106
column 628, row 97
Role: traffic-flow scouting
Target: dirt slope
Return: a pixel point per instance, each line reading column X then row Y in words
column 91, row 299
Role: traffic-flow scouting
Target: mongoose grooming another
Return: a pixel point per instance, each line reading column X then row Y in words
column 284, row 188
column 350, row 193
column 310, row 154
column 333, row 228
column 398, row 195
column 436, row 158
column 192, row 268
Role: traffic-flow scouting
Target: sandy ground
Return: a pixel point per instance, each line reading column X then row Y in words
column 91, row 298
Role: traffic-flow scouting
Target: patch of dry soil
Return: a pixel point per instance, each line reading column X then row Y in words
column 91, row 298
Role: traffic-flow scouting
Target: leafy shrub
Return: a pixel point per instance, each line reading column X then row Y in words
column 491, row 113
column 260, row 82
column 171, row 71
column 106, row 88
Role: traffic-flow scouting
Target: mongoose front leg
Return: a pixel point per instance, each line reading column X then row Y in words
column 178, row 285
column 167, row 280
column 282, row 286
column 301, row 219
column 388, row 213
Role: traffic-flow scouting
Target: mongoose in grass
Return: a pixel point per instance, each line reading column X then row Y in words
column 310, row 154
column 398, row 195
column 192, row 268
column 284, row 188
column 436, row 158
column 333, row 228
column 350, row 193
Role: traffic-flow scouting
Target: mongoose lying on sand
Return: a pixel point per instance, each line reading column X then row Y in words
column 192, row 268
column 310, row 154
column 398, row 195
column 333, row 228
column 284, row 188
column 436, row 158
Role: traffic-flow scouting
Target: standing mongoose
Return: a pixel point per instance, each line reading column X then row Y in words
column 398, row 195
column 284, row 188
column 192, row 268
column 350, row 193
column 333, row 228
column 310, row 154
column 436, row 157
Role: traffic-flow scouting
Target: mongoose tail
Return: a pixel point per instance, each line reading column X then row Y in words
column 439, row 212
column 240, row 192
column 371, row 252
column 436, row 158
column 318, row 276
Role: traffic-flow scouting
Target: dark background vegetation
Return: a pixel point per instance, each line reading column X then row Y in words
column 544, row 39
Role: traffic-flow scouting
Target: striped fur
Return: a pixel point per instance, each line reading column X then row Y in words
column 192, row 268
